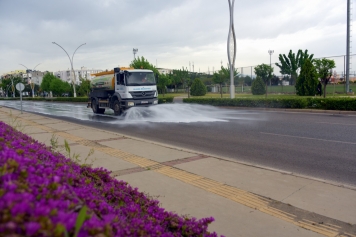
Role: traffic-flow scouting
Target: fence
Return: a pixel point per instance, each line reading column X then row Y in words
column 337, row 85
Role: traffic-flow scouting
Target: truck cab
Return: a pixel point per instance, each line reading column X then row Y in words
column 123, row 88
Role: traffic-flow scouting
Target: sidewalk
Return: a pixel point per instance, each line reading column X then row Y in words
column 244, row 200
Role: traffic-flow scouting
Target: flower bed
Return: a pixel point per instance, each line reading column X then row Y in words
column 42, row 192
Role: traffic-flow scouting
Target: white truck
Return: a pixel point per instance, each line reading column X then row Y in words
column 121, row 89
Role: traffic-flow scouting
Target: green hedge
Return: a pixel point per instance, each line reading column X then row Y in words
column 161, row 100
column 165, row 99
column 290, row 103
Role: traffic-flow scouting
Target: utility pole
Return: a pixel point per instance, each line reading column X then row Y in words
column 348, row 47
column 193, row 66
column 270, row 55
column 134, row 52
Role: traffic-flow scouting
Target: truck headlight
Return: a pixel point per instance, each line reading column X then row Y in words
column 130, row 104
column 155, row 102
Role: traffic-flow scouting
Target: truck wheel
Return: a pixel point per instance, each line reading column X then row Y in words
column 96, row 109
column 94, row 106
column 117, row 107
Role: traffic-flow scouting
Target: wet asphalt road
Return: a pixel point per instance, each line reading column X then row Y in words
column 317, row 145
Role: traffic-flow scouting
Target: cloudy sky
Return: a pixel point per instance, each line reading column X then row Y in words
column 170, row 34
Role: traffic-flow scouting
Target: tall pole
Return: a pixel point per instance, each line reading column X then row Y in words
column 134, row 52
column 231, row 48
column 270, row 56
column 348, row 47
column 71, row 63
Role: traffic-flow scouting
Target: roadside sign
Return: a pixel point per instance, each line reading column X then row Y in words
column 20, row 86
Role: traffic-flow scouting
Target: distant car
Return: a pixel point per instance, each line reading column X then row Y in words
column 65, row 94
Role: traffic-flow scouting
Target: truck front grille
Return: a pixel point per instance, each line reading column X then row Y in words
column 142, row 94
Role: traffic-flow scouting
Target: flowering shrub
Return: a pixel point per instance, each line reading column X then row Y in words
column 42, row 192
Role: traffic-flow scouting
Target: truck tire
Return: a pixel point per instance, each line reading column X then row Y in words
column 117, row 107
column 95, row 108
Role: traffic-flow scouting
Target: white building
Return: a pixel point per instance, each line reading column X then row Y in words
column 164, row 71
column 35, row 77
column 84, row 73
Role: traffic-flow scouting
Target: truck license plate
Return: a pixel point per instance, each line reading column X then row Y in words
column 144, row 102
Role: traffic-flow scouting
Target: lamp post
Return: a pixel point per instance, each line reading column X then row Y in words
column 31, row 83
column 134, row 52
column 270, row 55
column 231, row 48
column 71, row 63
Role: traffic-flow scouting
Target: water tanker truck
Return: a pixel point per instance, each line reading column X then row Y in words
column 121, row 89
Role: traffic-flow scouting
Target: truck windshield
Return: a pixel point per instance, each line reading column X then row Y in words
column 140, row 78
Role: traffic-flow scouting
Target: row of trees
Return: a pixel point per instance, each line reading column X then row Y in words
column 59, row 87
column 312, row 71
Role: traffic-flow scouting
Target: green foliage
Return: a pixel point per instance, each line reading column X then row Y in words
column 291, row 103
column 84, row 87
column 6, row 85
column 166, row 99
column 163, row 82
column 258, row 87
column 54, row 84
column 264, row 71
column 307, row 81
column 46, row 82
column 142, row 63
column 324, row 69
column 180, row 76
column 290, row 64
column 198, row 88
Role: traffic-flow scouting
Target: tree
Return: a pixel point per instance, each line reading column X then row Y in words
column 264, row 71
column 84, row 87
column 163, row 81
column 142, row 63
column 218, row 78
column 324, row 71
column 223, row 76
column 191, row 79
column 46, row 82
column 58, row 87
column 290, row 64
column 274, row 80
column 258, row 86
column 307, row 81
column 198, row 88
column 6, row 84
column 180, row 76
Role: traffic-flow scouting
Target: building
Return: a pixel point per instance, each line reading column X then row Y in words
column 84, row 73
column 35, row 77
column 165, row 71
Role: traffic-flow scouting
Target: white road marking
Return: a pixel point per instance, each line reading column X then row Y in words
column 309, row 138
column 346, row 124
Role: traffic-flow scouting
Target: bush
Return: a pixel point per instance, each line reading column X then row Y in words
column 198, row 88
column 258, row 87
column 41, row 193
column 165, row 99
column 292, row 102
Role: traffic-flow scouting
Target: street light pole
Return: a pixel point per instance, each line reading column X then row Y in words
column 270, row 55
column 71, row 63
column 135, row 52
column 31, row 84
column 231, row 48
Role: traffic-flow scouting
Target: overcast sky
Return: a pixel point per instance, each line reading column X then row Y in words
column 170, row 34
